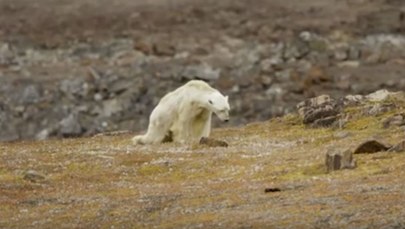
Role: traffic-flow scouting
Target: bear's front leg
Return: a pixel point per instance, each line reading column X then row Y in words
column 138, row 140
column 207, row 126
column 182, row 128
column 183, row 131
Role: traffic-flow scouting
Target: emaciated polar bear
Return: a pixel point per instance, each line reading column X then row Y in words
column 184, row 115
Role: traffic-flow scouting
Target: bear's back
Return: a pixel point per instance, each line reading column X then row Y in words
column 193, row 88
column 199, row 85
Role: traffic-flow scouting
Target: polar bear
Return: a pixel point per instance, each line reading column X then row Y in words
column 184, row 115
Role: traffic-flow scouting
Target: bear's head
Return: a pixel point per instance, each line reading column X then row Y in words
column 218, row 104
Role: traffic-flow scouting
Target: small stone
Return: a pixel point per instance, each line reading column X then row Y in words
column 337, row 159
column 283, row 75
column 125, row 58
column 119, row 86
column 75, row 87
column 213, row 142
column 266, row 65
column 31, row 94
column 275, row 91
column 373, row 58
column 354, row 53
column 400, row 147
column 371, row 146
column 324, row 122
column 378, row 109
column 349, row 64
column 272, row 190
column 226, row 83
column 113, row 133
column 47, row 132
column 379, row 95
column 317, row 101
column 266, row 80
column 270, row 64
column 202, row 71
column 318, row 45
column 6, row 54
column 341, row 54
column 111, row 107
column 42, row 135
column 396, row 120
column 33, row 176
column 144, row 47
column 8, row 133
column 317, row 75
column 352, row 100
column 163, row 49
column 342, row 134
column 98, row 97
column 305, row 35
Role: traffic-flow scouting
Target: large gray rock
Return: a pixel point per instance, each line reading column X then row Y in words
column 70, row 126
column 76, row 87
column 31, row 94
column 6, row 54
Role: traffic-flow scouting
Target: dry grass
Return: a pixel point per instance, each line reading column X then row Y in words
column 105, row 181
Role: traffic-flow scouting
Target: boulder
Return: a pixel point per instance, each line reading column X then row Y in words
column 31, row 94
column 320, row 111
column 70, row 126
column 338, row 159
column 371, row 146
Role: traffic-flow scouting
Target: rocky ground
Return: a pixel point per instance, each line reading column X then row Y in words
column 273, row 174
column 84, row 67
column 73, row 68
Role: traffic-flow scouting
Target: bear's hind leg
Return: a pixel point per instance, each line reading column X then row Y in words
column 157, row 131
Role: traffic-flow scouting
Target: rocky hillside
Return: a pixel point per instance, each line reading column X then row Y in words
column 84, row 67
column 272, row 174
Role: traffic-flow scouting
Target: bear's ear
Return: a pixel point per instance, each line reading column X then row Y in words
column 210, row 101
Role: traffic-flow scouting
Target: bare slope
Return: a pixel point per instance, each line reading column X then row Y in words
column 105, row 181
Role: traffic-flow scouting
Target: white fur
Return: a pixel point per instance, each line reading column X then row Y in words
column 185, row 114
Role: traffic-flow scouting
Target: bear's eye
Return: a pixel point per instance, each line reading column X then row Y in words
column 210, row 101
